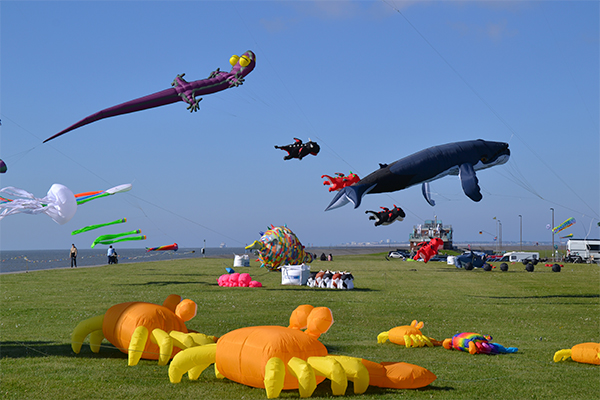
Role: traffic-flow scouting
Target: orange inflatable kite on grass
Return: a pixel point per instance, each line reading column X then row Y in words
column 277, row 358
column 588, row 353
column 408, row 335
column 128, row 326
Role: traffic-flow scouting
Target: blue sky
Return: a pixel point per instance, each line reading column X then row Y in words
column 371, row 82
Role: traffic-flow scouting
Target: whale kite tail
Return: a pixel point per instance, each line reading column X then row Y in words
column 350, row 194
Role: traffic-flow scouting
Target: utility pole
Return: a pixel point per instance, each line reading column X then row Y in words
column 521, row 232
column 497, row 237
column 500, row 237
column 552, row 226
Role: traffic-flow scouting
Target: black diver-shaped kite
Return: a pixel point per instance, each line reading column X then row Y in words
column 299, row 150
column 387, row 216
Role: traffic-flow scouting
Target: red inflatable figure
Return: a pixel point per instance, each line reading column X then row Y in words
column 340, row 181
column 428, row 250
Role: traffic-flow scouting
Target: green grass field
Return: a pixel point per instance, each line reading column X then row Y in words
column 540, row 313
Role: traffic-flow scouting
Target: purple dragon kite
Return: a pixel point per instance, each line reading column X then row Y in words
column 181, row 91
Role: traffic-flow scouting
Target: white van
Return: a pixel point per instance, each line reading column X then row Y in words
column 583, row 250
column 519, row 256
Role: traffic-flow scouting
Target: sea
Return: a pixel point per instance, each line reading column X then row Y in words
column 15, row 261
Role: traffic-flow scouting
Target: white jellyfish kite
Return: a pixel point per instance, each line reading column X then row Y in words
column 60, row 203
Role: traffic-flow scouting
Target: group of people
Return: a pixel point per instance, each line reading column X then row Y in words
column 112, row 256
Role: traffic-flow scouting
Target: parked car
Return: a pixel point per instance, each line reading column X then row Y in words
column 519, row 256
column 439, row 257
column 397, row 254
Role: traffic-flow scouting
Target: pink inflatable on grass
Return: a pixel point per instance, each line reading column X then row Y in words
column 237, row 280
column 244, row 280
column 223, row 280
column 233, row 279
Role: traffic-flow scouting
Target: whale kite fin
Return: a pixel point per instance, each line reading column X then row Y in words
column 427, row 193
column 350, row 194
column 469, row 181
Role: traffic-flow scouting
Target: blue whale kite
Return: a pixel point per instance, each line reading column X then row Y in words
column 458, row 158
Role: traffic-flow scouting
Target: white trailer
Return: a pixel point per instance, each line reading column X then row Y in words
column 583, row 250
column 519, row 256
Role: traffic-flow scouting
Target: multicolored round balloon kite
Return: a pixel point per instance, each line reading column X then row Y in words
column 279, row 246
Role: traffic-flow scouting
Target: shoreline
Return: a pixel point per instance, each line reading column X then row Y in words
column 334, row 251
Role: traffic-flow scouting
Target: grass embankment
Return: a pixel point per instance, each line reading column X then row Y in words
column 539, row 312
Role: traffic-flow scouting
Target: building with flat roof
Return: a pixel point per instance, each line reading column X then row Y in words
column 431, row 229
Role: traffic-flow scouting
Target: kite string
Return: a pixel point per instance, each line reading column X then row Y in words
column 587, row 234
column 156, row 226
column 502, row 120
column 320, row 139
column 566, row 63
column 185, row 218
column 282, row 82
column 104, row 180
column 523, row 183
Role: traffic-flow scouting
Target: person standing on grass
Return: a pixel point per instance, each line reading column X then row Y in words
column 73, row 256
column 111, row 253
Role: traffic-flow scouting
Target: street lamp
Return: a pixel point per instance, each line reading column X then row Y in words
column 500, row 237
column 521, row 232
column 497, row 248
column 552, row 226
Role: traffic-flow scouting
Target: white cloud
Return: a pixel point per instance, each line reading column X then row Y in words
column 495, row 31
column 498, row 31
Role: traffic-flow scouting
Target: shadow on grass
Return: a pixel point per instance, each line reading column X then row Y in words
column 195, row 275
column 550, row 296
column 165, row 283
column 496, row 271
column 322, row 290
column 479, row 270
column 324, row 390
column 29, row 349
